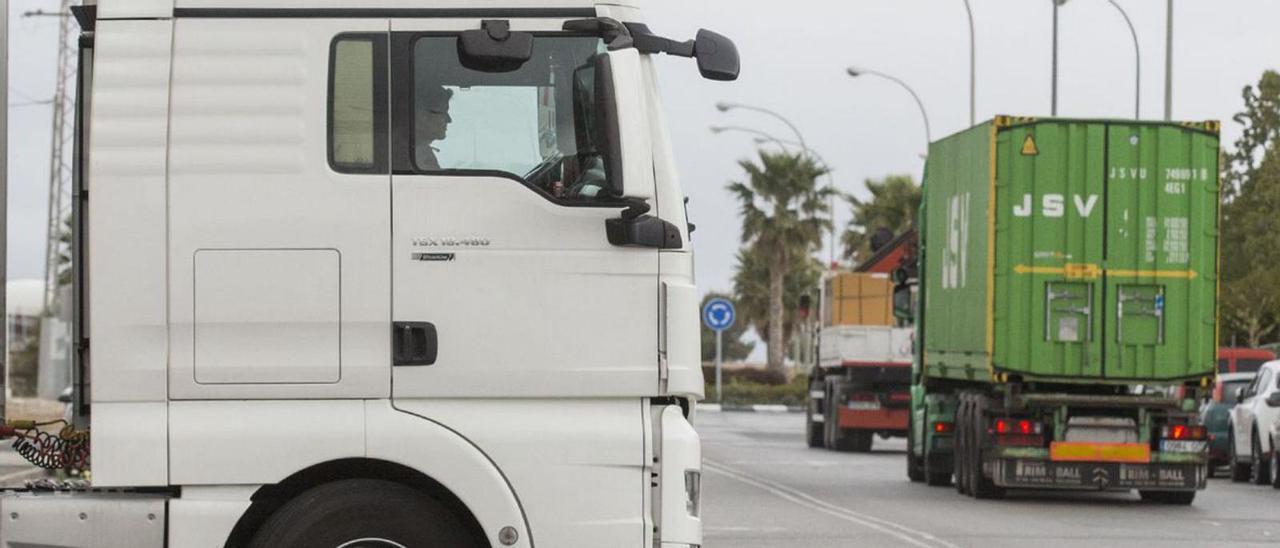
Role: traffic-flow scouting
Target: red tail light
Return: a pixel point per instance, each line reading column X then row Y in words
column 943, row 427
column 1184, row 432
column 1022, row 427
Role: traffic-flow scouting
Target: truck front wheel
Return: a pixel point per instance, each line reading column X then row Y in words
column 364, row 513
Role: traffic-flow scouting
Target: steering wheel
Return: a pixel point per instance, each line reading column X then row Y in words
column 543, row 169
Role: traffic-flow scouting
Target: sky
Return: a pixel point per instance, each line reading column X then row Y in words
column 793, row 59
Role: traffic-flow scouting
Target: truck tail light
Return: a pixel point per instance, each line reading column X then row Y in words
column 944, row 427
column 1184, row 432
column 1017, row 432
column 1021, row 427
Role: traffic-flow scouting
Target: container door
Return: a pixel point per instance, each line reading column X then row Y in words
column 1050, row 230
column 1161, row 251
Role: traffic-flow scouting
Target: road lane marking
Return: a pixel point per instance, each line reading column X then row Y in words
column 906, row 534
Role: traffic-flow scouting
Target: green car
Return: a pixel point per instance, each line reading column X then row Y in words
column 1215, row 414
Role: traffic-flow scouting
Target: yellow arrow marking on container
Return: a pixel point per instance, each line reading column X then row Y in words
column 1092, row 271
column 1177, row 274
column 1029, row 146
column 1071, row 270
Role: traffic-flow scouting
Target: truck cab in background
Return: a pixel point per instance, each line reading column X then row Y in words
column 408, row 273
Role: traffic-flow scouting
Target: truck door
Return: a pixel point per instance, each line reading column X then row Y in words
column 1162, row 214
column 1051, row 224
column 504, row 281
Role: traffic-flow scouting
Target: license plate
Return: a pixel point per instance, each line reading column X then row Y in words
column 1183, row 446
column 864, row 405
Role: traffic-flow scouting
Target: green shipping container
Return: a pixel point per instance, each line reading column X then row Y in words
column 1071, row 251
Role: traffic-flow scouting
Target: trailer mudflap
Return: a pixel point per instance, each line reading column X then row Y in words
column 1098, row 476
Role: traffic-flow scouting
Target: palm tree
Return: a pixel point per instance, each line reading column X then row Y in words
column 782, row 211
column 751, row 288
column 894, row 204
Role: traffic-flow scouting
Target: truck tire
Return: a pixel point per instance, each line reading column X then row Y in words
column 1259, row 470
column 979, row 485
column 1181, row 498
column 1275, row 466
column 381, row 513
column 1239, row 470
column 915, row 465
column 813, row 429
column 961, row 457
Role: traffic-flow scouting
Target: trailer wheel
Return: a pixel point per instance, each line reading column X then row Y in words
column 915, row 466
column 1239, row 470
column 369, row 513
column 1182, row 498
column 961, row 457
column 813, row 429
column 979, row 485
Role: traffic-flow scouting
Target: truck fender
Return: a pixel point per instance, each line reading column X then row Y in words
column 450, row 459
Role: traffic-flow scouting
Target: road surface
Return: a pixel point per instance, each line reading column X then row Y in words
column 763, row 488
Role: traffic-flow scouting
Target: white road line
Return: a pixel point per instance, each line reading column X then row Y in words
column 906, row 534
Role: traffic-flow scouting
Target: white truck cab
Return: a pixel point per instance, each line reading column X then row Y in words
column 412, row 273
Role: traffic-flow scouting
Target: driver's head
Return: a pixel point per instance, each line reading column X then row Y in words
column 433, row 112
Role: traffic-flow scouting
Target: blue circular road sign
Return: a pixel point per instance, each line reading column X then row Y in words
column 718, row 314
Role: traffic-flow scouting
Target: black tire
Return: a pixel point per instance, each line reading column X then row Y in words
column 1211, row 470
column 915, row 465
column 1180, row 498
column 830, row 422
column 813, row 429
column 981, row 486
column 1259, row 471
column 960, row 450
column 1239, row 470
column 1275, row 466
column 337, row 513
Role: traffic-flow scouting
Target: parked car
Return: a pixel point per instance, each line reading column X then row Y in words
column 1243, row 360
column 1215, row 415
column 1251, row 421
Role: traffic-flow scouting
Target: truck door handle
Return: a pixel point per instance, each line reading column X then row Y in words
column 414, row 343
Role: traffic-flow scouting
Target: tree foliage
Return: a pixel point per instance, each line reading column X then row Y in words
column 751, row 286
column 894, row 204
column 784, row 215
column 732, row 346
column 1250, row 290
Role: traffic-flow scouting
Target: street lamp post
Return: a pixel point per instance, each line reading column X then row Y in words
column 724, row 106
column 928, row 134
column 1168, row 62
column 760, row 135
column 1137, row 62
column 973, row 71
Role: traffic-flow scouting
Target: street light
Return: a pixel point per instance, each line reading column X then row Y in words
column 928, row 135
column 973, row 71
column 724, row 106
column 760, row 135
column 1137, row 62
column 1053, row 94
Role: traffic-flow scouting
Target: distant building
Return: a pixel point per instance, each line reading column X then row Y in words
column 24, row 303
column 38, row 346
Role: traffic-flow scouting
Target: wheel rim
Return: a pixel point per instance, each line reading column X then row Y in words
column 371, row 542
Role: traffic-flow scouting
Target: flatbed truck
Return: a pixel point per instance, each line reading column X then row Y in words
column 1068, row 291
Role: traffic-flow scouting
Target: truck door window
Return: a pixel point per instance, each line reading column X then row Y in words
column 357, row 104
column 534, row 124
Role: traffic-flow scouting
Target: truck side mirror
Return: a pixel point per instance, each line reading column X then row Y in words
column 717, row 56
column 625, row 147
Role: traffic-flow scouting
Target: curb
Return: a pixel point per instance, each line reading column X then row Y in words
column 744, row 408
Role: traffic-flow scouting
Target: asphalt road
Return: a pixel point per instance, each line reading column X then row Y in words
column 763, row 488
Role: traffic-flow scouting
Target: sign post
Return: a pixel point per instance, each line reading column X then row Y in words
column 718, row 315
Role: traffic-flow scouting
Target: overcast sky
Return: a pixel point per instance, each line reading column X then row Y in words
column 793, row 59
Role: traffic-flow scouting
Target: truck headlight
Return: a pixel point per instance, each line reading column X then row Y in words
column 693, row 492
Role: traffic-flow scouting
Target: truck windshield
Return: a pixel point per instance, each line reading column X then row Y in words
column 535, row 123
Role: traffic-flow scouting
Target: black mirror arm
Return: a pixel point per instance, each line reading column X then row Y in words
column 648, row 42
column 616, row 36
